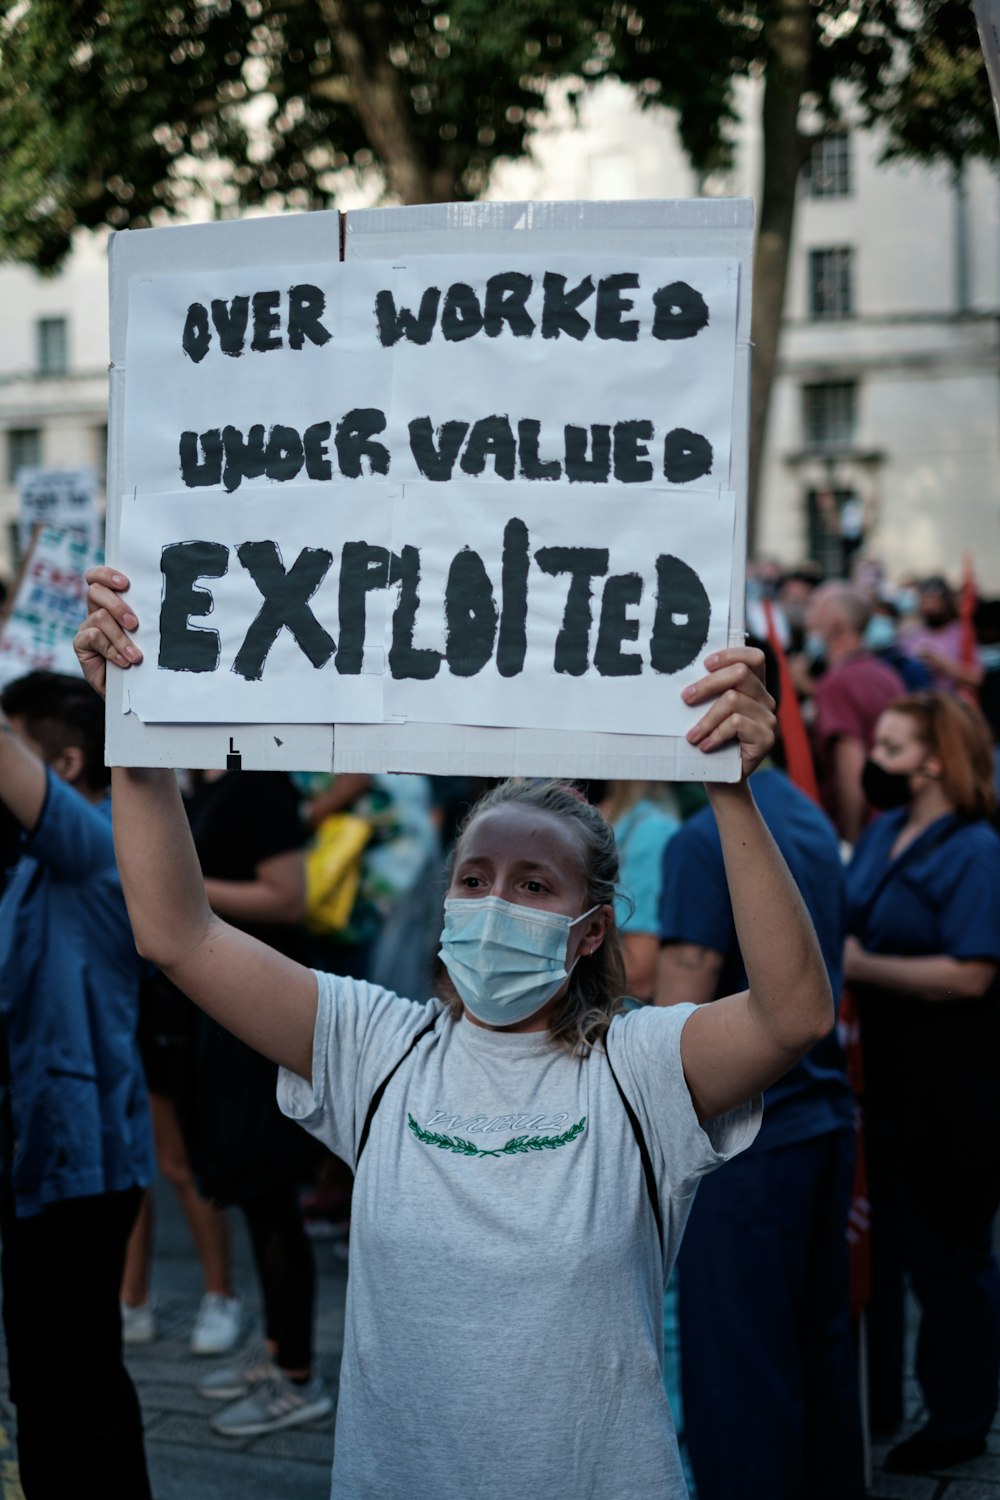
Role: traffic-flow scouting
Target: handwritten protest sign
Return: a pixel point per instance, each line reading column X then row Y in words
column 490, row 492
column 65, row 499
column 48, row 605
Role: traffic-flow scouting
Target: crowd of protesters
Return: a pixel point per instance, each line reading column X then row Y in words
column 879, row 791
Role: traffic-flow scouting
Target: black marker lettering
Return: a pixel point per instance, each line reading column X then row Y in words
column 286, row 597
column 681, row 312
column 245, row 458
column 196, row 336
column 266, row 321
column 683, row 615
column 284, row 454
column 183, row 648
column 406, row 660
column 436, row 463
column 490, row 437
column 595, row 469
column 362, row 568
column 199, row 474
column 513, row 641
column 533, row 467
column 632, row 465
column 506, row 297
column 461, row 316
column 314, row 441
column 353, row 440
column 611, row 305
column 686, row 456
column 230, row 319
column 572, row 651
column 393, row 325
column 559, row 309
column 615, row 626
column 305, row 304
column 470, row 614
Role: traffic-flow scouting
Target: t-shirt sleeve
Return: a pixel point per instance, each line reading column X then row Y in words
column 838, row 715
column 361, row 1032
column 970, row 919
column 72, row 836
column 642, row 872
column 694, row 904
column 645, row 1050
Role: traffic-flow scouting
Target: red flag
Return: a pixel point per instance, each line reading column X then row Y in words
column 798, row 753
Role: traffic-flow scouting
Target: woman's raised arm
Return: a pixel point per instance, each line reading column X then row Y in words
column 264, row 998
column 740, row 1045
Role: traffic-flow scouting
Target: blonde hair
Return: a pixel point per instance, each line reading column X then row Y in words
column 597, row 983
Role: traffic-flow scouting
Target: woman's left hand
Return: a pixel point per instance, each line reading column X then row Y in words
column 741, row 708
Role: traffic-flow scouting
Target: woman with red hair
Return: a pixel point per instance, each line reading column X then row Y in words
column 924, row 915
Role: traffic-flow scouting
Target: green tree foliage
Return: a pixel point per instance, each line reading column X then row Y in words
column 113, row 109
column 121, row 112
column 915, row 70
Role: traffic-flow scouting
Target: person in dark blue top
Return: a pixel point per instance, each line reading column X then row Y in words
column 76, row 1147
column 767, row 1364
column 922, row 958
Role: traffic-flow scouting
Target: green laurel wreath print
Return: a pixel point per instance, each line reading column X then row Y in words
column 516, row 1146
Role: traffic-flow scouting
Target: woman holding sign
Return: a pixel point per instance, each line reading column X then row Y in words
column 525, row 1153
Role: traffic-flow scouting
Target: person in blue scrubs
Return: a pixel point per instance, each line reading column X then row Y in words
column 922, row 959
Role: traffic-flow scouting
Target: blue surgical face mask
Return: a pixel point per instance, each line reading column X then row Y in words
column 815, row 646
column 880, row 633
column 990, row 657
column 505, row 961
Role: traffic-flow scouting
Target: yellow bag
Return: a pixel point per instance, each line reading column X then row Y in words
column 333, row 871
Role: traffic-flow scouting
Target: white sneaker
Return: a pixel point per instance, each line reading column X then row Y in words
column 225, row 1384
column 277, row 1402
column 218, row 1326
column 138, row 1323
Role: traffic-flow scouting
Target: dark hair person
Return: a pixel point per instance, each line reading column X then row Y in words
column 525, row 1153
column 924, row 915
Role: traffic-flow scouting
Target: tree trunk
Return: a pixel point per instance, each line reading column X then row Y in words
column 786, row 79
column 378, row 95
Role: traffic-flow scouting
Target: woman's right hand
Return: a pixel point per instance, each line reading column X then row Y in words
column 103, row 636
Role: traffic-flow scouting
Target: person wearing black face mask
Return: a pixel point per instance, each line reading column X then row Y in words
column 923, row 961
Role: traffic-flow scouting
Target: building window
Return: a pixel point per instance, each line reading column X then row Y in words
column 830, row 413
column 836, row 529
column 829, row 169
column 24, row 449
column 52, row 344
column 830, row 290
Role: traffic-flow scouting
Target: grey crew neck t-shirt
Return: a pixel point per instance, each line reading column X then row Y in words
column 504, row 1307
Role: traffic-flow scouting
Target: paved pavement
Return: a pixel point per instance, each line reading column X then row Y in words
column 187, row 1461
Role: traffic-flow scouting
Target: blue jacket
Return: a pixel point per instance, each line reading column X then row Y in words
column 69, row 984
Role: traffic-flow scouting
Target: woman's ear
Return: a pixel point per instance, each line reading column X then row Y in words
column 594, row 933
column 68, row 764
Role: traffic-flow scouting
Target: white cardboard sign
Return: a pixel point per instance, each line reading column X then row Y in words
column 534, row 450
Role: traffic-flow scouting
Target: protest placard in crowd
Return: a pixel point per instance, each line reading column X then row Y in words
column 487, row 490
column 47, row 604
column 65, row 499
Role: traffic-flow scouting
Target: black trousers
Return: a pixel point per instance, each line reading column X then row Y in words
column 79, row 1426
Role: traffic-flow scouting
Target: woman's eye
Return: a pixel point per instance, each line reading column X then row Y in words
column 471, row 881
column 534, row 887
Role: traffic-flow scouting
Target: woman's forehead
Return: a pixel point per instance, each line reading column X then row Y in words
column 516, row 831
